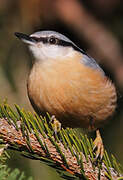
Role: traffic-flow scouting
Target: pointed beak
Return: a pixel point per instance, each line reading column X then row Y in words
column 25, row 38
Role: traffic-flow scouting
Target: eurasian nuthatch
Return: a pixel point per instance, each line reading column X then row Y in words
column 68, row 83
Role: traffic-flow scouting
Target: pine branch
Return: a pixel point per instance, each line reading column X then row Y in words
column 66, row 152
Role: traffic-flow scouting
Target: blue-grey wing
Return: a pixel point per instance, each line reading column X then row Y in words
column 89, row 61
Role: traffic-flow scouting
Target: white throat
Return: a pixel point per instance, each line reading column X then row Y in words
column 43, row 52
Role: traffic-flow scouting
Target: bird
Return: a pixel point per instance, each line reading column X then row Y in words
column 69, row 84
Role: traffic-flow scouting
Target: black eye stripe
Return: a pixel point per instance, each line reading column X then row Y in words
column 41, row 39
column 47, row 40
column 44, row 40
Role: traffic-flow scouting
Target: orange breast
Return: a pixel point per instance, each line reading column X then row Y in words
column 77, row 95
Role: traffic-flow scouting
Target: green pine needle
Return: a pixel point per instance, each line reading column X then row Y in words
column 42, row 129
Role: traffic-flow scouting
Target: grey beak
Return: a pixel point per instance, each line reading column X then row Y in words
column 26, row 38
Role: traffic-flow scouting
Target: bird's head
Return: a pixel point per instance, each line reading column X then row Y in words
column 48, row 45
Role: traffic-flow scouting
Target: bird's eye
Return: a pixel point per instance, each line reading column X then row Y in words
column 53, row 40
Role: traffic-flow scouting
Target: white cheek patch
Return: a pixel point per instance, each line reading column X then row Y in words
column 37, row 52
column 46, row 51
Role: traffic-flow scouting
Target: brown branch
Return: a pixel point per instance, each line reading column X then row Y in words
column 13, row 137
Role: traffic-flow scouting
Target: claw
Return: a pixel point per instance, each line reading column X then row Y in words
column 56, row 125
column 98, row 144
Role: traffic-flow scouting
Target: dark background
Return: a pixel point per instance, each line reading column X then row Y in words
column 96, row 26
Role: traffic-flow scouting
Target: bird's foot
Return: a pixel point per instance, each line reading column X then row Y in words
column 56, row 125
column 98, row 144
